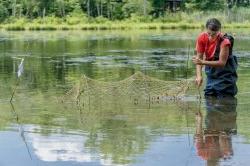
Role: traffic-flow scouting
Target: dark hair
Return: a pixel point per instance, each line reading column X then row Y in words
column 213, row 24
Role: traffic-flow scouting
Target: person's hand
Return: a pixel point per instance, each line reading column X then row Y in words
column 197, row 60
column 198, row 81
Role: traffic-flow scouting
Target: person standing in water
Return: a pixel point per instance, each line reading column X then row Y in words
column 214, row 51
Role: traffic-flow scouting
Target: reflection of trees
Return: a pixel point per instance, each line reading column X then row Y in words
column 118, row 134
column 172, row 60
column 118, row 140
column 6, row 80
column 6, row 118
column 48, row 56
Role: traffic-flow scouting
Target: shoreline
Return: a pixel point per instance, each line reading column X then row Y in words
column 104, row 26
column 113, row 26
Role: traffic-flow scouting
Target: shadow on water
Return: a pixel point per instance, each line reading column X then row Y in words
column 214, row 140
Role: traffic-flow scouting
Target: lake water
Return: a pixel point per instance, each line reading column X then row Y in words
column 36, row 129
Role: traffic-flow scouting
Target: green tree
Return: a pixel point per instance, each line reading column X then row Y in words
column 44, row 6
column 3, row 12
column 30, row 8
column 138, row 7
column 205, row 5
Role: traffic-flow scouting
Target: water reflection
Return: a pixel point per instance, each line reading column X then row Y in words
column 47, row 133
column 54, row 136
column 59, row 147
column 214, row 141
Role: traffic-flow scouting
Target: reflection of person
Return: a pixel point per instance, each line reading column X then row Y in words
column 214, row 140
column 214, row 50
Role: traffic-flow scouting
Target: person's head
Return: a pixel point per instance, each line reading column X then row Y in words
column 213, row 26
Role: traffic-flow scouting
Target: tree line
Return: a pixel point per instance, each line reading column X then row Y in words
column 110, row 9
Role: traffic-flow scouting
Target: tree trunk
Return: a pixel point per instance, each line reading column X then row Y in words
column 88, row 8
column 14, row 8
column 20, row 12
column 27, row 11
column 98, row 8
column 108, row 10
column 144, row 7
column 44, row 12
column 101, row 7
column 63, row 10
column 111, row 11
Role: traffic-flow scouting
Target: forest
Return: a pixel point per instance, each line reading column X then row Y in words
column 17, row 14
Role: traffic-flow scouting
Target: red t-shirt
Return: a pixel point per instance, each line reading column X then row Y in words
column 208, row 147
column 204, row 45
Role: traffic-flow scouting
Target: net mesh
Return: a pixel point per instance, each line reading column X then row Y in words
column 136, row 89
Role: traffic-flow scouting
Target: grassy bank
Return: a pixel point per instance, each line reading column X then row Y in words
column 113, row 26
column 181, row 20
column 108, row 26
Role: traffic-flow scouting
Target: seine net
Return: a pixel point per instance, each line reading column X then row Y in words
column 136, row 89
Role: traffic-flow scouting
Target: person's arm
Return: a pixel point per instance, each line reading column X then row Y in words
column 201, row 43
column 198, row 124
column 198, row 137
column 199, row 78
column 224, row 53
